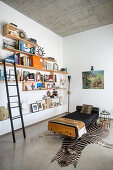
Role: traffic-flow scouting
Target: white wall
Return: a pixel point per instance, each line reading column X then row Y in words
column 81, row 51
column 53, row 46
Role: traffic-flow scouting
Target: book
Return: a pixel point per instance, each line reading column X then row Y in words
column 21, row 45
column 9, row 60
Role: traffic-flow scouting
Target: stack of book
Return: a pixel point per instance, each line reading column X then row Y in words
column 25, row 61
column 35, row 62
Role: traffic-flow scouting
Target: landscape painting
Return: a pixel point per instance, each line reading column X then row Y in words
column 93, row 79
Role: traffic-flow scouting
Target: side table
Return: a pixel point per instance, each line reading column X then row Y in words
column 105, row 119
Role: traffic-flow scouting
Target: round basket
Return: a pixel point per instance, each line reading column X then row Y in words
column 3, row 113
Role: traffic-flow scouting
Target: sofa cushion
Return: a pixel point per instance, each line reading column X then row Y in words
column 86, row 109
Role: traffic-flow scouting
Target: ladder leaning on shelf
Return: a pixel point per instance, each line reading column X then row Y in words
column 13, row 96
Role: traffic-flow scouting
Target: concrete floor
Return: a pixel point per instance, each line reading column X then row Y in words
column 35, row 153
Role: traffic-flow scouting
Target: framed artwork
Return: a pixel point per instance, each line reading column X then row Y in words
column 93, row 79
column 55, row 66
column 51, row 104
column 50, row 78
column 40, row 105
column 11, row 73
column 34, row 107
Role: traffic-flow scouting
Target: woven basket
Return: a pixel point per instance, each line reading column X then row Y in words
column 3, row 113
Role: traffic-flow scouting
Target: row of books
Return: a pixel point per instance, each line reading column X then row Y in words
column 26, row 61
column 11, row 58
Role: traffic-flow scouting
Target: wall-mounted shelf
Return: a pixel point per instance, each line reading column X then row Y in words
column 46, row 89
column 9, row 81
column 26, row 83
column 34, row 68
column 6, row 34
column 29, row 54
column 54, row 98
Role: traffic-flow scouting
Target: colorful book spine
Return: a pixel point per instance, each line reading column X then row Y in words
column 21, row 45
column 9, row 60
column 2, row 78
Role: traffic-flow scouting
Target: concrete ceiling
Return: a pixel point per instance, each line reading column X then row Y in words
column 66, row 17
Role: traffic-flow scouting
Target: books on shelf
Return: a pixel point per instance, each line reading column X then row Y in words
column 26, row 61
column 10, row 59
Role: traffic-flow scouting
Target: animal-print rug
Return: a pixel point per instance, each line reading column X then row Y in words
column 71, row 149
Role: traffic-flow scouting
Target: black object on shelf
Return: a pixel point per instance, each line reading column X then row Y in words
column 18, row 101
column 13, row 24
column 92, row 68
column 32, row 40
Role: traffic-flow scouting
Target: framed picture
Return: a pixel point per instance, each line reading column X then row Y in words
column 55, row 104
column 34, row 107
column 31, row 76
column 93, row 79
column 55, row 66
column 11, row 73
column 50, row 78
column 51, row 104
column 40, row 106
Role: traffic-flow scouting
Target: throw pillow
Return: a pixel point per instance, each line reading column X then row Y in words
column 86, row 109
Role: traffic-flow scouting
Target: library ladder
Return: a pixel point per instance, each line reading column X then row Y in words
column 18, row 102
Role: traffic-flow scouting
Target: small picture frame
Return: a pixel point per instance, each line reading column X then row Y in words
column 11, row 73
column 51, row 104
column 34, row 107
column 40, row 105
column 50, row 78
column 55, row 66
column 55, row 104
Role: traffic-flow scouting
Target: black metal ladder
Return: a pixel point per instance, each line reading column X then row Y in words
column 13, row 96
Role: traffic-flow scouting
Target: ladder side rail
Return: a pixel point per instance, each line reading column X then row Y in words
column 19, row 101
column 9, row 107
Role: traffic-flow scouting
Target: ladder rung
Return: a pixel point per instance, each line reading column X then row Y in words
column 13, row 96
column 11, row 84
column 14, row 107
column 14, row 102
column 16, row 117
column 10, row 74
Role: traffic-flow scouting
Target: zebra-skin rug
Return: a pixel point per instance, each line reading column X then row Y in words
column 71, row 149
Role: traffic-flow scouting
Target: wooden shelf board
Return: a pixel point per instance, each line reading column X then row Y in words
column 36, row 82
column 33, row 68
column 13, row 37
column 46, row 89
column 54, row 98
column 60, row 72
column 1, row 81
column 29, row 54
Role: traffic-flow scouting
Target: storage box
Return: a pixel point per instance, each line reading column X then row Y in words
column 35, row 62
